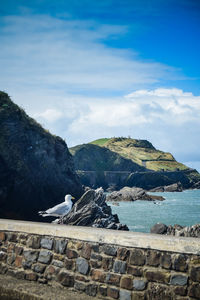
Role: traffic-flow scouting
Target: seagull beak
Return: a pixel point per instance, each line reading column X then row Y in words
column 73, row 198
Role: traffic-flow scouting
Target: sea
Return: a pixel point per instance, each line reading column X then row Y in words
column 181, row 208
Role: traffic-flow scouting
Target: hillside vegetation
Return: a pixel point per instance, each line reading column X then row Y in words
column 91, row 157
column 131, row 162
column 142, row 153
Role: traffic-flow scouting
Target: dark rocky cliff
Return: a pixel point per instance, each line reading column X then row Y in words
column 36, row 168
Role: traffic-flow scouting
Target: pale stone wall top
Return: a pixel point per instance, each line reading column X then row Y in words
column 97, row 235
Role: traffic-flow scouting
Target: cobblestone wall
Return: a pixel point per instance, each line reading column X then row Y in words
column 102, row 270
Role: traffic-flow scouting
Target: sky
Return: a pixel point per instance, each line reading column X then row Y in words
column 89, row 69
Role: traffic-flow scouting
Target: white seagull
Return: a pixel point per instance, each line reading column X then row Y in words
column 59, row 210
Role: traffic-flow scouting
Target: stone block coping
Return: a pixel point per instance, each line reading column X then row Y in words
column 107, row 236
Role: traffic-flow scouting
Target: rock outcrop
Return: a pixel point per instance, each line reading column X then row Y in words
column 131, row 194
column 92, row 210
column 36, row 168
column 159, row 228
column 177, row 230
column 176, row 187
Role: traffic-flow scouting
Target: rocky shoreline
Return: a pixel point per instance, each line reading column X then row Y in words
column 175, row 187
column 132, row 194
column 177, row 230
column 92, row 210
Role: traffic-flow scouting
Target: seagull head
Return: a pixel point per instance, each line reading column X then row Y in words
column 69, row 198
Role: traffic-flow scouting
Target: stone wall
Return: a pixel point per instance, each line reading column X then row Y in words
column 101, row 263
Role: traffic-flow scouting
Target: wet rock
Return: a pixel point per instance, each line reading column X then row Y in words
column 92, row 210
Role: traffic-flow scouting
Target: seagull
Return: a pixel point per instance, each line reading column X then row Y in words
column 59, row 210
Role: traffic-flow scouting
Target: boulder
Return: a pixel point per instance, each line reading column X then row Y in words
column 159, row 228
column 175, row 187
column 91, row 210
column 131, row 194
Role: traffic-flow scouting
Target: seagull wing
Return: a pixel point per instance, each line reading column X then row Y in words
column 59, row 209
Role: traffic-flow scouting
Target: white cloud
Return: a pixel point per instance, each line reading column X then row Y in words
column 169, row 118
column 171, row 106
column 50, row 115
column 39, row 51
column 58, row 69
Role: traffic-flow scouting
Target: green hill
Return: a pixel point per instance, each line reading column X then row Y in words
column 142, row 153
column 105, row 161
column 91, row 157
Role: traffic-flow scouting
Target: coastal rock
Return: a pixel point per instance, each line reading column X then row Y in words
column 91, row 210
column 197, row 185
column 187, row 231
column 36, row 168
column 175, row 187
column 131, row 194
column 177, row 230
column 159, row 228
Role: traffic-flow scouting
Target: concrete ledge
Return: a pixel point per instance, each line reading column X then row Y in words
column 97, row 235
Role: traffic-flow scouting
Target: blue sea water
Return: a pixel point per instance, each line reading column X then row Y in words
column 179, row 208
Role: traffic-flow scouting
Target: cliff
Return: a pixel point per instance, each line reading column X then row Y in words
column 129, row 162
column 36, row 168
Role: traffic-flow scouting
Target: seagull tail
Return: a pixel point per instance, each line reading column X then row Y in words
column 42, row 213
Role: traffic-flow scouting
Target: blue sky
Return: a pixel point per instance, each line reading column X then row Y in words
column 89, row 69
